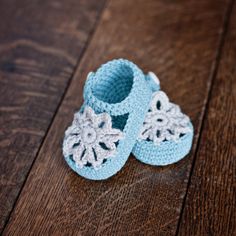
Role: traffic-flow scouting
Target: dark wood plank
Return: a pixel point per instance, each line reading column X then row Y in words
column 170, row 38
column 40, row 44
column 211, row 199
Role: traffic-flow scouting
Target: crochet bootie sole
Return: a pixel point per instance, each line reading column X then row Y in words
column 104, row 131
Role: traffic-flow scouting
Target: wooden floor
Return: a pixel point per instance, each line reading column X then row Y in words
column 46, row 50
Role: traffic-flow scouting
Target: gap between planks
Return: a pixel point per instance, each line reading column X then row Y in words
column 206, row 107
column 97, row 20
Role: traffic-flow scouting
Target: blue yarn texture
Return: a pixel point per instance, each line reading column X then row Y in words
column 168, row 152
column 120, row 89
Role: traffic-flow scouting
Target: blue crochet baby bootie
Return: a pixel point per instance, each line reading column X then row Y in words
column 166, row 135
column 104, row 131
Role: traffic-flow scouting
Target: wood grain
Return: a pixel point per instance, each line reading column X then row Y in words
column 40, row 44
column 211, row 199
column 170, row 38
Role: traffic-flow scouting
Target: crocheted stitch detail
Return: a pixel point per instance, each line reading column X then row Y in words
column 91, row 139
column 164, row 121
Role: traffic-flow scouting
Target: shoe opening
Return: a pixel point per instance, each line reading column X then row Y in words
column 113, row 82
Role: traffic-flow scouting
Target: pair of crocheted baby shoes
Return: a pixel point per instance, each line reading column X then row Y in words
column 124, row 111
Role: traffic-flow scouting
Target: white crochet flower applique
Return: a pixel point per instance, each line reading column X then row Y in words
column 90, row 140
column 164, row 121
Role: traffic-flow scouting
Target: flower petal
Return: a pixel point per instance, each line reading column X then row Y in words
column 160, row 98
column 103, row 121
column 112, row 135
column 68, row 145
column 89, row 155
column 78, row 153
column 72, row 130
column 103, row 153
column 89, row 113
